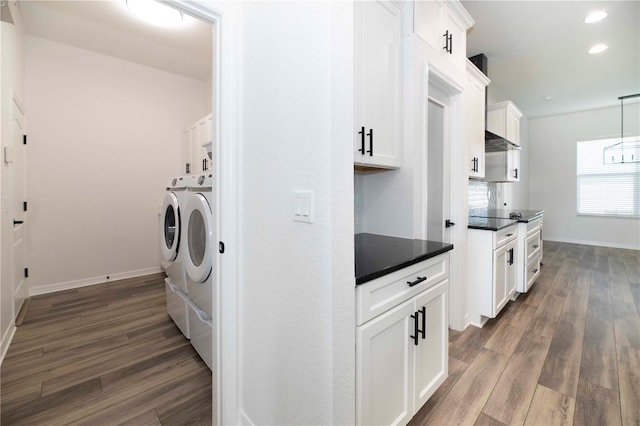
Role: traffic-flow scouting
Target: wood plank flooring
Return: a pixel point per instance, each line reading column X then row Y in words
column 567, row 352
column 103, row 355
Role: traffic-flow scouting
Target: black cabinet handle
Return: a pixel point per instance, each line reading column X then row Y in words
column 446, row 41
column 536, row 246
column 188, row 168
column 534, row 270
column 450, row 44
column 415, row 328
column 423, row 311
column 370, row 134
column 509, row 235
column 511, row 257
column 515, row 173
column 18, row 222
column 474, row 168
column 361, row 133
column 448, row 223
column 417, row 281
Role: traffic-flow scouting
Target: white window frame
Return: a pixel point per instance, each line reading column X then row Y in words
column 585, row 169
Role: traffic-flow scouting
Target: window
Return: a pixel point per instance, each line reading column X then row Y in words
column 606, row 189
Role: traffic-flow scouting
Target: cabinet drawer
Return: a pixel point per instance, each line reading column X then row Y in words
column 382, row 294
column 532, row 246
column 533, row 272
column 504, row 236
column 533, row 226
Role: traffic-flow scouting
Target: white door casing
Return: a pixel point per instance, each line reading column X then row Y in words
column 224, row 16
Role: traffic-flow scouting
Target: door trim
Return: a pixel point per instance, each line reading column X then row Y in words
column 224, row 16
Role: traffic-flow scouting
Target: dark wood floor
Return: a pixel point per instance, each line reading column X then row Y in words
column 103, row 355
column 568, row 352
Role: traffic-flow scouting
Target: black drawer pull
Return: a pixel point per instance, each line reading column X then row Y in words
column 18, row 222
column 417, row 281
column 536, row 246
column 415, row 328
column 361, row 133
column 509, row 235
column 534, row 271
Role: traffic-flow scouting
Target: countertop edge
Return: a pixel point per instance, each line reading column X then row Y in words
column 372, row 276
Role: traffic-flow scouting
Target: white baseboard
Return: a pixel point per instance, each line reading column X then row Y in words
column 590, row 243
column 7, row 337
column 50, row 288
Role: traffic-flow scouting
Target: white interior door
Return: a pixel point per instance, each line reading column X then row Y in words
column 438, row 169
column 17, row 169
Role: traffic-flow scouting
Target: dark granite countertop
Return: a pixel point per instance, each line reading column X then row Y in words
column 489, row 223
column 527, row 215
column 379, row 255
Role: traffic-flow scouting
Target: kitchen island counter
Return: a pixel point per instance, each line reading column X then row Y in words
column 379, row 255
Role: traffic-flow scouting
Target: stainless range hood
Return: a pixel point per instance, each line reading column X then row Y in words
column 495, row 143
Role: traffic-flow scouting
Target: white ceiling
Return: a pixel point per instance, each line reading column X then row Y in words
column 107, row 27
column 537, row 49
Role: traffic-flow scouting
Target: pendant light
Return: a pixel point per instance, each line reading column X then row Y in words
column 625, row 151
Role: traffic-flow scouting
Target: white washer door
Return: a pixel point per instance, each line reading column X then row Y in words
column 199, row 238
column 170, row 232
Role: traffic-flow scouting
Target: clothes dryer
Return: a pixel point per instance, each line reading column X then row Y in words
column 171, row 236
column 198, row 240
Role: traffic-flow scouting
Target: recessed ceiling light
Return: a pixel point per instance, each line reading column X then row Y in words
column 548, row 98
column 598, row 48
column 595, row 16
column 155, row 13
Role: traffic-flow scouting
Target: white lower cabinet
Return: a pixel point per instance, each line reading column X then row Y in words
column 492, row 270
column 402, row 357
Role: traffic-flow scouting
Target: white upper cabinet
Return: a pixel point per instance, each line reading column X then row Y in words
column 443, row 25
column 377, row 84
column 503, row 119
column 195, row 158
column 475, row 119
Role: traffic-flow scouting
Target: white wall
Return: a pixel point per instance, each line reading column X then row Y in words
column 552, row 184
column 297, row 360
column 104, row 137
column 11, row 80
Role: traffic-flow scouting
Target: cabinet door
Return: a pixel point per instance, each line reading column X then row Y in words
column 205, row 129
column 458, row 40
column 512, row 127
column 501, row 258
column 475, row 95
column 384, row 379
column 513, row 166
column 431, row 358
column 377, row 85
column 186, row 152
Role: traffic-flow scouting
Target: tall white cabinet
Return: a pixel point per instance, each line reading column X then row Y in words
column 475, row 95
column 377, row 62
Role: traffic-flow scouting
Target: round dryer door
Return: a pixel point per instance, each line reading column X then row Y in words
column 199, row 238
column 170, row 233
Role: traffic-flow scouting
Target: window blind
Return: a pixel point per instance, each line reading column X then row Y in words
column 606, row 189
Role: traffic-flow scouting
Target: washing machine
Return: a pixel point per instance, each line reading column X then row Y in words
column 198, row 240
column 171, row 247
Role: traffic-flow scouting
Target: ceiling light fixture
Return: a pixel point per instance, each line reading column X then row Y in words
column 595, row 16
column 598, row 48
column 155, row 12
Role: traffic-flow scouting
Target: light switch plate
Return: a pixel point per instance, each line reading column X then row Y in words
column 303, row 206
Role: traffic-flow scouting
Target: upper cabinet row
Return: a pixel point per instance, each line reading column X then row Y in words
column 195, row 156
column 378, row 67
